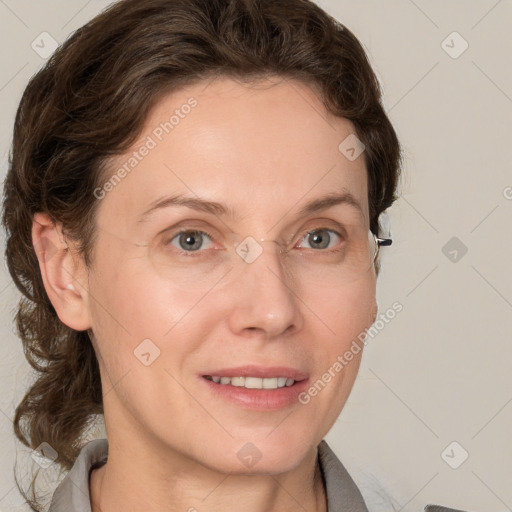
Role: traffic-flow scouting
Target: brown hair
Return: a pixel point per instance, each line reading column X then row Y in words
column 89, row 102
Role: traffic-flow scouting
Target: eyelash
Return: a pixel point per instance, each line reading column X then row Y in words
column 209, row 235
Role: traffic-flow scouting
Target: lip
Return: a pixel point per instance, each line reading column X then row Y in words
column 258, row 399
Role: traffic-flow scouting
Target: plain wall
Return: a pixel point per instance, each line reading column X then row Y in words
column 439, row 371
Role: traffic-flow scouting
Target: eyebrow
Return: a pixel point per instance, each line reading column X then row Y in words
column 218, row 209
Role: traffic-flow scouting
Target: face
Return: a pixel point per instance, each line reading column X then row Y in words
column 186, row 293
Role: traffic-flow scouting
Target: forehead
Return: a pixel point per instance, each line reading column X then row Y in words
column 259, row 149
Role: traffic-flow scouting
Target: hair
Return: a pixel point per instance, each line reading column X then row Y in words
column 89, row 102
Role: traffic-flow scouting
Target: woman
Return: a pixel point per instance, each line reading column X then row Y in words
column 192, row 209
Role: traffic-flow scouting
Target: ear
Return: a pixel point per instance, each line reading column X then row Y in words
column 374, row 311
column 63, row 272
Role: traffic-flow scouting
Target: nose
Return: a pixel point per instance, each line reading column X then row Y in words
column 265, row 297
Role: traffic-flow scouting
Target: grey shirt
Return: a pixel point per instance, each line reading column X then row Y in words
column 72, row 494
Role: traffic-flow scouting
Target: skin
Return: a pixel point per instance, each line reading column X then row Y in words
column 265, row 151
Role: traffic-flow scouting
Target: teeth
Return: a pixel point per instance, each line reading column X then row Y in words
column 267, row 383
column 237, row 381
column 253, row 382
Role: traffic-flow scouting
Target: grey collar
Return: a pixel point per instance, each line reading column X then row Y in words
column 72, row 494
column 342, row 493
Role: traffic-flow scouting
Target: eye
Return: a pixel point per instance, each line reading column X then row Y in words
column 321, row 238
column 190, row 240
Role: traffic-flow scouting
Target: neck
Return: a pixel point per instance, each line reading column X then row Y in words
column 133, row 480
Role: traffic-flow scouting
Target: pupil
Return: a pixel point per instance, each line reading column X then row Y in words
column 319, row 239
column 191, row 241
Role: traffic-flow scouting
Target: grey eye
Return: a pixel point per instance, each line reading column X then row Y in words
column 320, row 238
column 190, row 240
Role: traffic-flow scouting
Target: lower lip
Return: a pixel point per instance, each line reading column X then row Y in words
column 259, row 399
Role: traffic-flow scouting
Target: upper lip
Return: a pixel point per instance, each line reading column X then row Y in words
column 260, row 371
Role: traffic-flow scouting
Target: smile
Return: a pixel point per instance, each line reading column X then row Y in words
column 252, row 382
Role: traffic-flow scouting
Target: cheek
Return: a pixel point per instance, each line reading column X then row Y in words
column 138, row 333
column 131, row 303
column 346, row 312
column 144, row 328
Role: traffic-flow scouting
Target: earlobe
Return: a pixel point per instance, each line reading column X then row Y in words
column 62, row 271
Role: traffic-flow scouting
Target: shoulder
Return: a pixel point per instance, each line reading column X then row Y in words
column 72, row 494
column 342, row 492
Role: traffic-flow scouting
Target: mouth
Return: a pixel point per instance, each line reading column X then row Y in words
column 252, row 382
column 256, row 387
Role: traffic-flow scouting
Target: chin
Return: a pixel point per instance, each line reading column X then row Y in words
column 260, row 455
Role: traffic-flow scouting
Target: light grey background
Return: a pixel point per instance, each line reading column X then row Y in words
column 439, row 372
